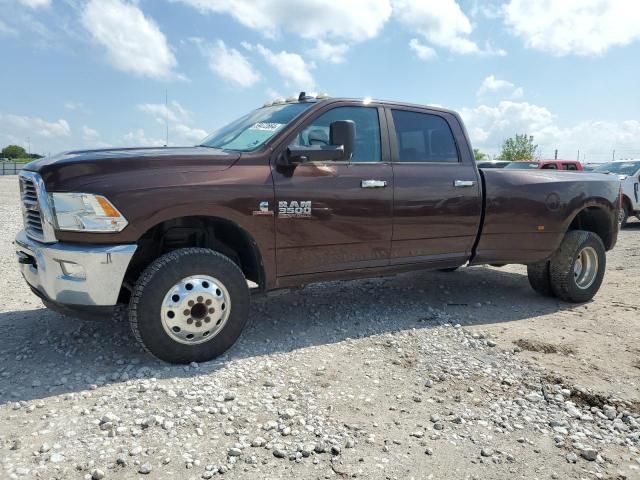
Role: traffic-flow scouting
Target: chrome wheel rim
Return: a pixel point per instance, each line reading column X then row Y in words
column 195, row 309
column 585, row 268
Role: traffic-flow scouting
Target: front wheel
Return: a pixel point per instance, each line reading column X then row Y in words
column 577, row 268
column 189, row 305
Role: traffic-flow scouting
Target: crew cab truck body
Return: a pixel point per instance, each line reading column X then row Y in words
column 628, row 172
column 293, row 193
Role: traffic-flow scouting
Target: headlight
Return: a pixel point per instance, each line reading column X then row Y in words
column 85, row 212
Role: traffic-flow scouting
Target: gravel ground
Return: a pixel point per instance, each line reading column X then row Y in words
column 422, row 375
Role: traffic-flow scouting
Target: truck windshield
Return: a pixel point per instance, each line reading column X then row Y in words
column 523, row 165
column 254, row 129
column 619, row 168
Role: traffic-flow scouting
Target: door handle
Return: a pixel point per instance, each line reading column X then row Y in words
column 463, row 183
column 373, row 183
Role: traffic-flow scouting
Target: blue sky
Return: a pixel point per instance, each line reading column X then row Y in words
column 93, row 73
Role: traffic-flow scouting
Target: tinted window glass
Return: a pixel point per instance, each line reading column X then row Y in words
column 570, row 166
column 367, row 144
column 550, row 166
column 423, row 138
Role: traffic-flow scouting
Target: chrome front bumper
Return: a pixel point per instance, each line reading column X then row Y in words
column 74, row 274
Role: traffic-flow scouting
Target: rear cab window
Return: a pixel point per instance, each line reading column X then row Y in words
column 423, row 138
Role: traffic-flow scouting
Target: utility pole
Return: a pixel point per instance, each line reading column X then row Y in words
column 613, row 156
column 556, row 154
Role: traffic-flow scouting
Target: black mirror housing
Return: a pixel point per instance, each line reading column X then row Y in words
column 343, row 132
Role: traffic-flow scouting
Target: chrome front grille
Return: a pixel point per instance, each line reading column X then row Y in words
column 31, row 208
column 35, row 207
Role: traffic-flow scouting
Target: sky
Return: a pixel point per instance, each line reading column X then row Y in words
column 94, row 73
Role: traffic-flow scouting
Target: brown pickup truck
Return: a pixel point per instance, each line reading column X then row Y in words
column 297, row 191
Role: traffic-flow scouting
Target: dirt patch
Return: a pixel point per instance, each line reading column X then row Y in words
column 544, row 347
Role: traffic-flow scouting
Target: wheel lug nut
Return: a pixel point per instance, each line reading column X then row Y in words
column 208, row 302
column 200, row 299
column 211, row 310
column 190, row 321
column 191, row 303
column 198, row 324
column 207, row 320
column 187, row 312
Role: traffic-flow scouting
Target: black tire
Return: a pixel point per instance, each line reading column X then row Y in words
column 624, row 215
column 562, row 264
column 156, row 281
column 539, row 278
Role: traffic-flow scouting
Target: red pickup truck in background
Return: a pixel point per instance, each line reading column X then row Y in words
column 547, row 165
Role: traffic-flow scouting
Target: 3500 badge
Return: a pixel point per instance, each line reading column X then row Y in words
column 295, row 209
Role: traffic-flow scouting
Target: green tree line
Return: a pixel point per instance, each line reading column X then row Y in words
column 17, row 153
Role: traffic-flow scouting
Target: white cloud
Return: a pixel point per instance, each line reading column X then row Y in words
column 351, row 20
column 174, row 112
column 7, row 30
column 134, row 43
column 35, row 3
column 138, row 138
column 423, row 52
column 334, row 53
column 186, row 134
column 229, row 64
column 181, row 131
column 491, row 84
column 291, row 66
column 440, row 22
column 89, row 134
column 580, row 27
column 488, row 126
column 19, row 126
column 70, row 105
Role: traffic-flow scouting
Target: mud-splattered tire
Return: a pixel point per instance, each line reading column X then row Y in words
column 539, row 278
column 577, row 268
column 189, row 305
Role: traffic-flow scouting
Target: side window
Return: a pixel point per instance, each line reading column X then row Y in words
column 367, row 142
column 570, row 166
column 423, row 137
column 550, row 166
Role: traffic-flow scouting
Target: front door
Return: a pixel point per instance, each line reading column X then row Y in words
column 336, row 215
column 437, row 204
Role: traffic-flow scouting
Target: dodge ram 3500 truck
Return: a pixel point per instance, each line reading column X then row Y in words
column 298, row 191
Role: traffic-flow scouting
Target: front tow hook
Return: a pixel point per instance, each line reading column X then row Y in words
column 25, row 259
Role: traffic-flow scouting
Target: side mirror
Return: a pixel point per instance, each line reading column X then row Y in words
column 342, row 134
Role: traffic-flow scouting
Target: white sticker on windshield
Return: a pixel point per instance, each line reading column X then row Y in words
column 268, row 127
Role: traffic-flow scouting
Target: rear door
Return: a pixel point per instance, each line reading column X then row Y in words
column 336, row 215
column 437, row 195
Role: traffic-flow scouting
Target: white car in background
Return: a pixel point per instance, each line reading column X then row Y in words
column 628, row 171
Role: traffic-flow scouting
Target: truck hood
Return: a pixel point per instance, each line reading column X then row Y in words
column 70, row 166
